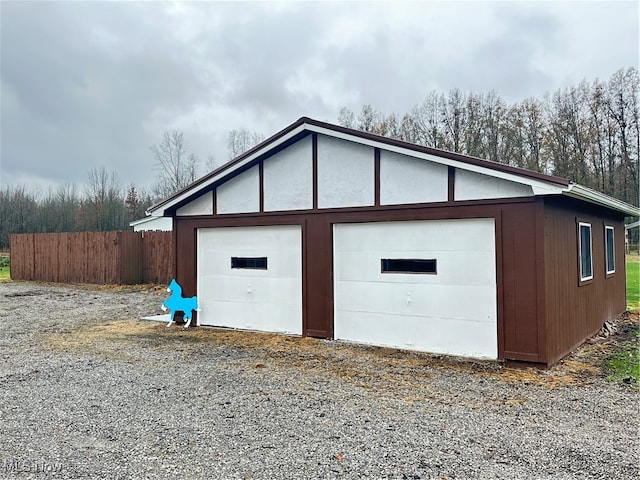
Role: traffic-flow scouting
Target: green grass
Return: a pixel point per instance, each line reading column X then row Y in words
column 633, row 283
column 624, row 364
column 4, row 267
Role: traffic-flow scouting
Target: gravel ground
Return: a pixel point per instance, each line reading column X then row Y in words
column 89, row 391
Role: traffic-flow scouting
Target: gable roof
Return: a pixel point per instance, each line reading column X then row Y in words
column 541, row 184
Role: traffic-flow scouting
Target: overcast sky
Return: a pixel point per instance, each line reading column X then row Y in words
column 91, row 84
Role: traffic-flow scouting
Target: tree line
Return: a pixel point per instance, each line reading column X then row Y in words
column 588, row 133
column 101, row 203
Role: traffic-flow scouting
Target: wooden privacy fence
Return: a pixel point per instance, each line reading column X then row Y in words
column 93, row 257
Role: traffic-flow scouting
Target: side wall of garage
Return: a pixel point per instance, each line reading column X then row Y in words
column 576, row 309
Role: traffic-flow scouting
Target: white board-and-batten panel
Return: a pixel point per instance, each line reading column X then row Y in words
column 345, row 173
column 476, row 186
column 241, row 194
column 346, row 178
column 255, row 299
column 288, row 178
column 202, row 205
column 453, row 311
column 405, row 179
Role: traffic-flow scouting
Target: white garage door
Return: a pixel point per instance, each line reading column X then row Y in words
column 251, row 278
column 423, row 285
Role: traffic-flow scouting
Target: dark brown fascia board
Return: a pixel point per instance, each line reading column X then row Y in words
column 374, row 138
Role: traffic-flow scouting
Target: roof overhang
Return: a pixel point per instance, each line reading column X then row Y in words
column 588, row 195
column 144, row 220
column 141, row 221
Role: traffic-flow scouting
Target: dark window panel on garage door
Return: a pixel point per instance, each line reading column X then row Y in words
column 408, row 265
column 253, row 263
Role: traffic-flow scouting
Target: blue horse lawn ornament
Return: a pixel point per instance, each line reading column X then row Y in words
column 176, row 303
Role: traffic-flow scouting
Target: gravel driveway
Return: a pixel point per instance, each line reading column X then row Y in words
column 89, row 391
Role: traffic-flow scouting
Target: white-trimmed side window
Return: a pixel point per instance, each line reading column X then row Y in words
column 610, row 249
column 584, row 251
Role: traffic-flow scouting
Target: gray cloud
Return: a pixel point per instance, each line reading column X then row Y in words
column 95, row 84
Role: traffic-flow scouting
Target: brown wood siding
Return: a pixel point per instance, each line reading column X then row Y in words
column 186, row 261
column 261, row 186
column 576, row 311
column 517, row 247
column 519, row 283
column 451, row 184
column 317, row 253
column 314, row 168
column 376, row 177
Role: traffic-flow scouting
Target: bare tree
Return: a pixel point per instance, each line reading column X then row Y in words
column 408, row 130
column 18, row 212
column 176, row 168
column 623, row 106
column 454, row 118
column 67, row 201
column 368, row 120
column 346, row 118
column 473, row 134
column 392, row 126
column 103, row 208
column 136, row 203
column 212, row 163
column 427, row 121
column 534, row 127
column 589, row 132
column 242, row 140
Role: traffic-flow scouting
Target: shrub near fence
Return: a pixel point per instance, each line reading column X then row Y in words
column 92, row 257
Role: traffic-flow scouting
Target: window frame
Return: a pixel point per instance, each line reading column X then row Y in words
column 583, row 279
column 609, row 272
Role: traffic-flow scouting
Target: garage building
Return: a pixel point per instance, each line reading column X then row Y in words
column 329, row 232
